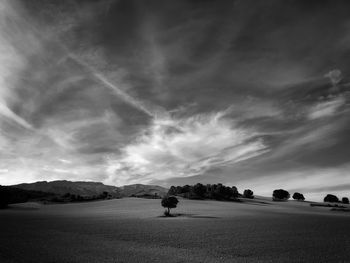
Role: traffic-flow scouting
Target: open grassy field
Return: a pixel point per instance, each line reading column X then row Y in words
column 132, row 230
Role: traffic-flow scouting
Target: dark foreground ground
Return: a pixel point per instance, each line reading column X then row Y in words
column 131, row 230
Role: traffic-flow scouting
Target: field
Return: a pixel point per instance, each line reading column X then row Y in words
column 133, row 230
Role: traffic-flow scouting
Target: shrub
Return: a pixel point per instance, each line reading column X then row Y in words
column 248, row 194
column 298, row 196
column 169, row 202
column 345, row 200
column 280, row 195
column 331, row 199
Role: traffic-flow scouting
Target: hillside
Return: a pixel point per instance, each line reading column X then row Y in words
column 11, row 195
column 140, row 190
column 93, row 188
column 77, row 188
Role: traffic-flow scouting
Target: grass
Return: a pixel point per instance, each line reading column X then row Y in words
column 133, row 230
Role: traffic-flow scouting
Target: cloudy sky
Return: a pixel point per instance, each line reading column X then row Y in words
column 248, row 93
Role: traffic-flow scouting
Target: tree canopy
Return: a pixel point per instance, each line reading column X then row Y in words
column 280, row 195
column 169, row 202
column 248, row 194
column 209, row 191
column 298, row 196
column 345, row 200
column 331, row 198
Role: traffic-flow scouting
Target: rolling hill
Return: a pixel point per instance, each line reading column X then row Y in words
column 78, row 188
column 140, row 190
column 82, row 188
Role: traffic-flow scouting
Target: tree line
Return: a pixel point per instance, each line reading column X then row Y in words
column 222, row 192
column 209, row 191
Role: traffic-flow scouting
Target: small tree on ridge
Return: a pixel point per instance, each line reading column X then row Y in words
column 298, row 196
column 331, row 199
column 280, row 195
column 345, row 200
column 248, row 194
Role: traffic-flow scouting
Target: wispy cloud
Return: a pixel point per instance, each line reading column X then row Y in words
column 117, row 91
column 185, row 147
column 335, row 76
column 326, row 108
column 126, row 92
column 11, row 62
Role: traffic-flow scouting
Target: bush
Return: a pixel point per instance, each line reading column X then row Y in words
column 298, row 196
column 248, row 194
column 345, row 200
column 331, row 199
column 280, row 195
column 169, row 202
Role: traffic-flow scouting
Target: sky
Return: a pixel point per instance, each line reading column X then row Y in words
column 248, row 93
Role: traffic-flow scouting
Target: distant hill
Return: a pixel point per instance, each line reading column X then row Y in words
column 141, row 190
column 77, row 188
column 82, row 188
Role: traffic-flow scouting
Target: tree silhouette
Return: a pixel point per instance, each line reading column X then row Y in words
column 331, row 199
column 210, row 191
column 298, row 196
column 172, row 190
column 235, row 193
column 280, row 195
column 248, row 194
column 345, row 200
column 199, row 190
column 169, row 202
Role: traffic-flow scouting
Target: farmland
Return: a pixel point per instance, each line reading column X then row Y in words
column 134, row 230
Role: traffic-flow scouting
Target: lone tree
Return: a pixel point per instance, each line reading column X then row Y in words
column 248, row 194
column 280, row 195
column 169, row 202
column 298, row 196
column 331, row 199
column 345, row 200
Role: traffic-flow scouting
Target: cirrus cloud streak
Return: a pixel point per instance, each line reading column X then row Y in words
column 185, row 147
